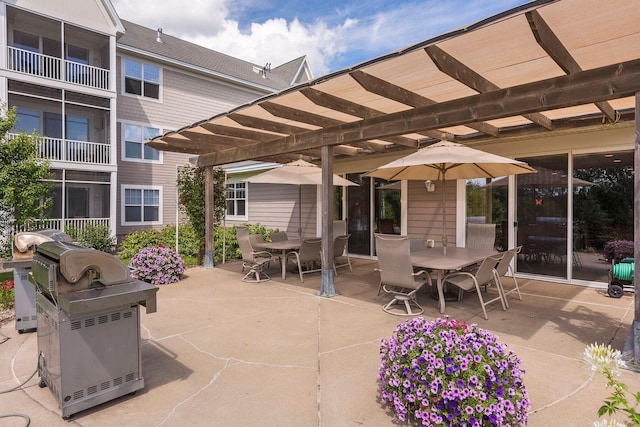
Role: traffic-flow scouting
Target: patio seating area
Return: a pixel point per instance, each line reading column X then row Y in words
column 220, row 351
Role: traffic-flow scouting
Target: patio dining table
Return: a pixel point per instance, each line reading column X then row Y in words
column 284, row 246
column 455, row 259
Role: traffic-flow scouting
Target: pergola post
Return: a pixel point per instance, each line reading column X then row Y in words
column 209, row 219
column 327, row 289
column 631, row 352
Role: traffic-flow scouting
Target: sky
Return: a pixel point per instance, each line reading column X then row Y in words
column 333, row 34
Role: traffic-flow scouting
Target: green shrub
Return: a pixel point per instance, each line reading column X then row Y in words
column 137, row 240
column 93, row 236
column 188, row 244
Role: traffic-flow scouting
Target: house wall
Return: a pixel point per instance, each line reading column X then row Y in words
column 276, row 207
column 185, row 96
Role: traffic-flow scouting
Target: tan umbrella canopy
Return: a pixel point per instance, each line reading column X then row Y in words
column 299, row 173
column 448, row 160
column 544, row 178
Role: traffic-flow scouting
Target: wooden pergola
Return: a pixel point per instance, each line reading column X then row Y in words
column 544, row 68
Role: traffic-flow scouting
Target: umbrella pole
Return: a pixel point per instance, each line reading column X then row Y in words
column 300, row 211
column 444, row 214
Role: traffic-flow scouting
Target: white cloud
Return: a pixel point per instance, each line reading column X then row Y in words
column 277, row 42
column 182, row 18
column 328, row 42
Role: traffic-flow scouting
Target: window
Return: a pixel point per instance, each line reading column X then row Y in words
column 77, row 128
column 26, row 41
column 134, row 147
column 27, row 121
column 141, row 79
column 141, row 205
column 77, row 58
column 25, row 59
column 237, row 200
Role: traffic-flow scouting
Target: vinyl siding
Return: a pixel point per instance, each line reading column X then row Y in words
column 276, row 207
column 185, row 97
column 424, row 211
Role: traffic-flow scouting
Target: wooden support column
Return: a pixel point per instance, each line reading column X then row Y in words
column 327, row 289
column 209, row 219
column 631, row 351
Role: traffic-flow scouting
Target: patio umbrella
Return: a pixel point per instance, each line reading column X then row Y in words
column 544, row 178
column 448, row 160
column 299, row 173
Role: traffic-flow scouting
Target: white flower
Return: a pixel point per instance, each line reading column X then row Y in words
column 600, row 356
column 608, row 423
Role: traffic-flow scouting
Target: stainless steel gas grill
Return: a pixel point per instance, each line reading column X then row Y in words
column 88, row 325
column 24, row 246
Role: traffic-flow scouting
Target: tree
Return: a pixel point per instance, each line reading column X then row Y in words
column 191, row 195
column 24, row 193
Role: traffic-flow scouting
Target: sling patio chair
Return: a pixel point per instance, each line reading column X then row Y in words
column 308, row 258
column 481, row 236
column 505, row 267
column 483, row 275
column 340, row 254
column 255, row 261
column 397, row 276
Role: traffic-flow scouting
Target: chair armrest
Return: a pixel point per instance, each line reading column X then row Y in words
column 458, row 273
column 263, row 254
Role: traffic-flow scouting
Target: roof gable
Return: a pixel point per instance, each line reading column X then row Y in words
column 144, row 40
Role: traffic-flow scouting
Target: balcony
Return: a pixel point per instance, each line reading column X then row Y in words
column 37, row 64
column 62, row 224
column 67, row 150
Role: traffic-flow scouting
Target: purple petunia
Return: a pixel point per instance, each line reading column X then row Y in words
column 157, row 265
column 444, row 372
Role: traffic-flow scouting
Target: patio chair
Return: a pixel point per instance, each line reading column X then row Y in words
column 467, row 281
column 278, row 236
column 340, row 254
column 397, row 276
column 255, row 261
column 504, row 267
column 481, row 236
column 385, row 226
column 242, row 230
column 308, row 257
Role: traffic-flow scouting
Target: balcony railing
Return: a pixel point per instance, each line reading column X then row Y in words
column 67, row 150
column 37, row 64
column 62, row 224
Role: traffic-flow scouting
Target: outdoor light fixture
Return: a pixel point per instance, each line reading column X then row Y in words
column 430, row 186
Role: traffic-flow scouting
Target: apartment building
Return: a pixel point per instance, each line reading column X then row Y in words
column 95, row 87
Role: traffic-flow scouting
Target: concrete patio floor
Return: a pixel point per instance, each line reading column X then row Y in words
column 221, row 352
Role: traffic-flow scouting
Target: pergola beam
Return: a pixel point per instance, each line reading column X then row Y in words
column 399, row 94
column 600, row 84
column 465, row 75
column 548, row 40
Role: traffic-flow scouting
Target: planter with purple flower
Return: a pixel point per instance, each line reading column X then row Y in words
column 445, row 372
column 157, row 265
